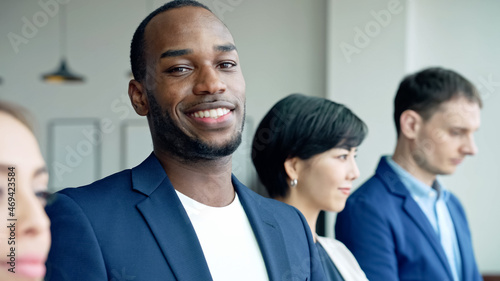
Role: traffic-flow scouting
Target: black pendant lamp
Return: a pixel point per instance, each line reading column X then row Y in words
column 62, row 74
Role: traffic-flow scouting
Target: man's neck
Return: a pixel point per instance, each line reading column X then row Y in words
column 404, row 158
column 206, row 181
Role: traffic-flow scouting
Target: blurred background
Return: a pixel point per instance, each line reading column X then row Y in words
column 353, row 52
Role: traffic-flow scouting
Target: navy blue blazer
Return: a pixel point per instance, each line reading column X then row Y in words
column 391, row 237
column 132, row 226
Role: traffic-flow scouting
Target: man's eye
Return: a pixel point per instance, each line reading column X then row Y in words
column 343, row 157
column 227, row 65
column 178, row 70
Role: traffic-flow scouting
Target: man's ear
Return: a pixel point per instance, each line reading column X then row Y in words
column 292, row 167
column 410, row 123
column 138, row 97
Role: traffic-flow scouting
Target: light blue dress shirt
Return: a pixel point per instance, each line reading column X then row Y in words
column 432, row 201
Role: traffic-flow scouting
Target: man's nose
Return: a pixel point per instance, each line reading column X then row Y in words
column 469, row 146
column 209, row 82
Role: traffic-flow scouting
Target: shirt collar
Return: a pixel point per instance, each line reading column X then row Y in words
column 415, row 186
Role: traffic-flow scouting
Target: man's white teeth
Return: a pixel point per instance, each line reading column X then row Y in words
column 212, row 113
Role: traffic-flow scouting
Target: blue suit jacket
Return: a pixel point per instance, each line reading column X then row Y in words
column 391, row 237
column 132, row 226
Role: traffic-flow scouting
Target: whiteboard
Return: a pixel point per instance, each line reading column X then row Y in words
column 136, row 143
column 74, row 152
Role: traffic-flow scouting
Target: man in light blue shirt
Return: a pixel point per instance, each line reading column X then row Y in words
column 432, row 200
column 402, row 224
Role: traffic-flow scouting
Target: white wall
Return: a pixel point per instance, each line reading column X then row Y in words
column 281, row 45
column 99, row 33
column 461, row 35
column 363, row 70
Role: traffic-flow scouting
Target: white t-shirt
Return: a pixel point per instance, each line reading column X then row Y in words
column 227, row 239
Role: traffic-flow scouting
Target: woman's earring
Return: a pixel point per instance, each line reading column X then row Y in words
column 293, row 182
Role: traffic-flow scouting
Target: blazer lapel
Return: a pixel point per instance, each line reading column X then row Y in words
column 169, row 222
column 464, row 243
column 266, row 230
column 418, row 217
column 394, row 184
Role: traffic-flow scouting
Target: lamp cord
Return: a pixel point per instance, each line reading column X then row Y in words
column 62, row 31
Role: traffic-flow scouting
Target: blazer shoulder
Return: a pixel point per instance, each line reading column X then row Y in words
column 372, row 189
column 456, row 205
column 372, row 200
column 104, row 185
column 98, row 195
column 454, row 200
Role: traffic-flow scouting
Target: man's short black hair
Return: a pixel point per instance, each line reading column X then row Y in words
column 427, row 89
column 138, row 46
column 301, row 126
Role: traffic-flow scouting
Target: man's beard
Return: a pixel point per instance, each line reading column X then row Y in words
column 422, row 161
column 172, row 139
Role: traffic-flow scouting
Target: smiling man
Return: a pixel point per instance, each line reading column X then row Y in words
column 181, row 215
column 402, row 224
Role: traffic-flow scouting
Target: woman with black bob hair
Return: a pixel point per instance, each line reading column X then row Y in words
column 304, row 153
